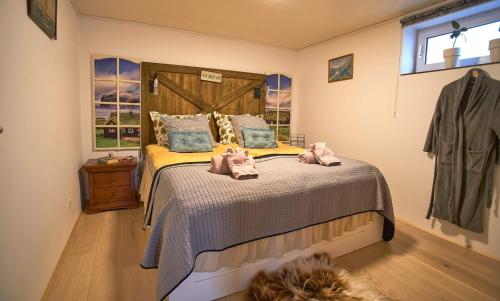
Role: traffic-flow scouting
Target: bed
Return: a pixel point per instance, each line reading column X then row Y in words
column 210, row 233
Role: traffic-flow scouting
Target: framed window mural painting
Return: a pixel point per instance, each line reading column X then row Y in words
column 340, row 68
column 44, row 14
column 116, row 104
column 279, row 105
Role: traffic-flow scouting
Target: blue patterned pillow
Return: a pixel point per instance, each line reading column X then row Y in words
column 189, row 142
column 259, row 138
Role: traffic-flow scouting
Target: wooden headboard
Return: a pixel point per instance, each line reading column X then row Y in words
column 181, row 91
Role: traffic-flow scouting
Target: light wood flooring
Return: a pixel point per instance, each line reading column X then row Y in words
column 101, row 262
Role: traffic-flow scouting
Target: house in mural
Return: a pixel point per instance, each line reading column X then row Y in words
column 130, row 132
column 100, row 120
column 110, row 132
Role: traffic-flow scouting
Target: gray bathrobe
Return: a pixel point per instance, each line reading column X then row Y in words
column 464, row 136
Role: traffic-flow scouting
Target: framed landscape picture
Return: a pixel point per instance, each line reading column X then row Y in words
column 340, row 68
column 44, row 14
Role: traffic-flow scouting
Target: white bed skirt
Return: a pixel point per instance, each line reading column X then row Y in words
column 276, row 246
column 218, row 274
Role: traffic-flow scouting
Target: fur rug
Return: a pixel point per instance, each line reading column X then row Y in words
column 313, row 278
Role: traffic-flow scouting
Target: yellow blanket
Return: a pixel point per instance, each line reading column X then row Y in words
column 161, row 156
column 158, row 156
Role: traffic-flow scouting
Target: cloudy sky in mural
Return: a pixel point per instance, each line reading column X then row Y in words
column 105, row 68
column 129, row 70
column 105, row 91
column 285, row 101
column 129, row 92
column 285, row 83
column 272, row 99
column 272, row 81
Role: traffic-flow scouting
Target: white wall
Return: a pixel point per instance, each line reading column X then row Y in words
column 45, row 109
column 40, row 149
column 356, row 118
column 160, row 45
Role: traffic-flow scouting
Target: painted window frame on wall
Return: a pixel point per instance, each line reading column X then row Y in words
column 121, row 80
column 278, row 92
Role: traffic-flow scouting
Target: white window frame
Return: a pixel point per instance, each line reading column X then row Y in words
column 444, row 28
column 118, row 126
column 278, row 91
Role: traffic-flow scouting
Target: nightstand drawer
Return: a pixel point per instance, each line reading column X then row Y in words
column 111, row 179
column 114, row 194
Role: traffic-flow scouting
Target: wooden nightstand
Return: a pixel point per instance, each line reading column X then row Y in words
column 110, row 186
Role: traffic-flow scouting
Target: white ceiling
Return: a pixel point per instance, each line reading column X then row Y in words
column 288, row 23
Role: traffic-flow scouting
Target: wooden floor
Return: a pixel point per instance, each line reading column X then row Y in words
column 101, row 262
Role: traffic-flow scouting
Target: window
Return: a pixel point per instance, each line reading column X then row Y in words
column 431, row 41
column 279, row 104
column 116, row 103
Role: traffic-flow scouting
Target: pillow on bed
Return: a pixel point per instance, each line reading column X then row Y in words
column 159, row 125
column 225, row 126
column 246, row 121
column 259, row 138
column 188, row 124
column 189, row 142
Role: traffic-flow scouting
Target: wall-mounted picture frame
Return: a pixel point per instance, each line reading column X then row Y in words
column 341, row 68
column 44, row 14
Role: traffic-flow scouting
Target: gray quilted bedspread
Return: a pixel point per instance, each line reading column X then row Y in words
column 192, row 210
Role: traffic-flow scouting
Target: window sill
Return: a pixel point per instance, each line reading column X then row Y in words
column 445, row 69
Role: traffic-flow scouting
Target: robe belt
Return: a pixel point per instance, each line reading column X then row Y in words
column 431, row 203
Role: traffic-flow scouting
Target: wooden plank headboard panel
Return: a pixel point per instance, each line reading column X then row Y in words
column 182, row 92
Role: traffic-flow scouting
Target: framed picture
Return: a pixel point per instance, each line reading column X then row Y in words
column 44, row 14
column 340, row 68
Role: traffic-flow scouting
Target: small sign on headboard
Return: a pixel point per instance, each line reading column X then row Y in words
column 211, row 76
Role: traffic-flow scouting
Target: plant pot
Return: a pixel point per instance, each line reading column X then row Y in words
column 495, row 50
column 451, row 56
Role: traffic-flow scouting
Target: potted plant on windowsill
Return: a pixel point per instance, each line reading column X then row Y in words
column 451, row 55
column 495, row 50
